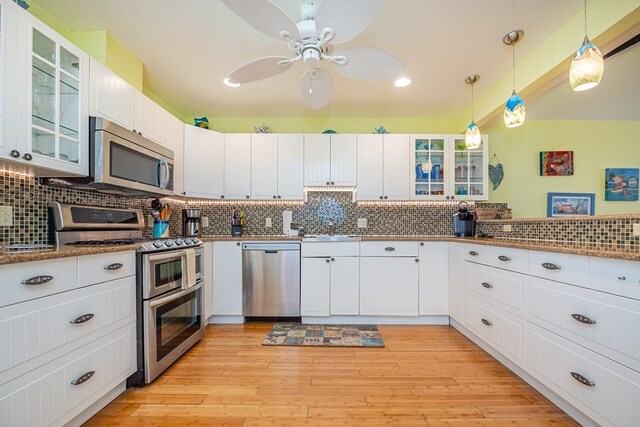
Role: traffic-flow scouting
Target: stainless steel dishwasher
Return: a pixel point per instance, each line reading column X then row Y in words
column 271, row 279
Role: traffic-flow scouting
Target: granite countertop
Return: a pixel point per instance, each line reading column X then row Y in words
column 576, row 248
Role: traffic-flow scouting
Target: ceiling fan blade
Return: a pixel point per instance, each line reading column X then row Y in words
column 316, row 86
column 347, row 17
column 258, row 69
column 368, row 63
column 264, row 16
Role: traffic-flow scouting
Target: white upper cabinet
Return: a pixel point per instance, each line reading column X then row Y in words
column 237, row 166
column 175, row 142
column 330, row 160
column 204, row 157
column 111, row 97
column 384, row 166
column 8, row 100
column 150, row 119
column 53, row 100
column 276, row 166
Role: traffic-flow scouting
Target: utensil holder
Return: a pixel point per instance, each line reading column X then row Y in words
column 236, row 230
column 160, row 229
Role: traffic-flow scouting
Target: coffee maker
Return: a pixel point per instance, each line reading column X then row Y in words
column 190, row 222
column 464, row 221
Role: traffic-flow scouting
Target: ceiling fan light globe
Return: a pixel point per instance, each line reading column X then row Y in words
column 472, row 137
column 227, row 81
column 586, row 68
column 402, row 82
column 514, row 111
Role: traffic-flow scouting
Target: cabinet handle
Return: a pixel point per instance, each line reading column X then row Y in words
column 473, row 253
column 582, row 380
column 452, row 197
column 279, row 197
column 140, row 133
column 487, row 285
column 486, row 322
column 417, row 259
column 28, row 157
column 222, row 197
column 327, row 182
column 82, row 378
column 274, row 196
column 333, row 259
column 332, row 183
column 504, row 258
column 14, row 153
column 82, row 319
column 237, row 243
column 385, row 197
column 622, row 278
column 447, row 197
column 37, row 280
column 114, row 266
column 381, row 197
column 550, row 266
column 327, row 260
column 246, row 197
column 389, row 249
column 583, row 319
column 421, row 243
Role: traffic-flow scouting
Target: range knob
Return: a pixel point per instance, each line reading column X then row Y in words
column 157, row 244
column 187, row 241
column 168, row 243
column 196, row 241
column 179, row 242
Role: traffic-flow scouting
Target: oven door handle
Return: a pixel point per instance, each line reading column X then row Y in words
column 161, row 301
column 165, row 256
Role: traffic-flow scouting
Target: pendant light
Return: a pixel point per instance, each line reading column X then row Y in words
column 472, row 137
column 587, row 66
column 514, row 111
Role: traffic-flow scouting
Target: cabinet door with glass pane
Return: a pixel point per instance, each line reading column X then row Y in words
column 469, row 170
column 8, row 36
column 430, row 172
column 53, row 99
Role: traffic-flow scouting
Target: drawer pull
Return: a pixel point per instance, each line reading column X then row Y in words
column 486, row 322
column 473, row 253
column 504, row 258
column 389, row 249
column 582, row 380
column 82, row 319
column 622, row 278
column 487, row 285
column 327, row 260
column 37, row 280
column 583, row 319
column 83, row 378
column 114, row 266
column 550, row 266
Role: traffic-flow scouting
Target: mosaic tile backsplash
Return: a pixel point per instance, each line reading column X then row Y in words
column 29, row 200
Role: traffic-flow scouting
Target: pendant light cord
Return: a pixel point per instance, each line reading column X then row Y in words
column 472, row 103
column 513, row 63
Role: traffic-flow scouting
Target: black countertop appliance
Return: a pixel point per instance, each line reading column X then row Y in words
column 464, row 221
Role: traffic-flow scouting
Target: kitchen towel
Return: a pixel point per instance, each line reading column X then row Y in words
column 189, row 269
column 287, row 218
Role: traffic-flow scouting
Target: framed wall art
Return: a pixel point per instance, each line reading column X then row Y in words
column 556, row 163
column 621, row 184
column 570, row 204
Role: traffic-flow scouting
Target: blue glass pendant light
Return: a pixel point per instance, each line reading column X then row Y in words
column 514, row 110
column 472, row 137
column 587, row 66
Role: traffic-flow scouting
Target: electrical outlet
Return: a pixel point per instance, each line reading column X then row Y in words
column 267, row 222
column 362, row 222
column 507, row 228
column 205, row 221
column 6, row 216
column 636, row 230
column 149, row 221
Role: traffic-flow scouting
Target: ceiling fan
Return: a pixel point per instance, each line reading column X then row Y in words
column 311, row 41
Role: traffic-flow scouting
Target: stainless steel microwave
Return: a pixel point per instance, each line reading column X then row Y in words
column 122, row 162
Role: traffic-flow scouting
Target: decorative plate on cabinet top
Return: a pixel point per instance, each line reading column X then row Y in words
column 329, row 131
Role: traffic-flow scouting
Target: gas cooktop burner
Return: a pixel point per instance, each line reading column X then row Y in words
column 24, row 249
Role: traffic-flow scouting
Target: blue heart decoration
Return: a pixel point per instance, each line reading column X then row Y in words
column 496, row 173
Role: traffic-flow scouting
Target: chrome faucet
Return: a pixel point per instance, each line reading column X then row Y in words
column 332, row 228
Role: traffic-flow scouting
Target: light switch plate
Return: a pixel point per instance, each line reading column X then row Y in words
column 507, row 228
column 636, row 230
column 362, row 222
column 6, row 216
column 205, row 221
column 267, row 222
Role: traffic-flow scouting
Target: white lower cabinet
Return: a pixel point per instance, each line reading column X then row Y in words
column 502, row 288
column 389, row 286
column 315, row 281
column 227, row 278
column 455, row 284
column 208, row 281
column 604, row 390
column 345, row 286
column 433, row 278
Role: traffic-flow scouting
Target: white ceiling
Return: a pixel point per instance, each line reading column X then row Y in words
column 188, row 47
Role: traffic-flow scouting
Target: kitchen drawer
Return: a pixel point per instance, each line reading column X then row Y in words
column 613, row 398
column 502, row 288
column 501, row 330
column 35, row 332
column 46, row 395
column 477, row 253
column 63, row 273
column 389, row 248
column 103, row 267
column 616, row 329
column 565, row 268
column 615, row 276
column 328, row 249
column 510, row 259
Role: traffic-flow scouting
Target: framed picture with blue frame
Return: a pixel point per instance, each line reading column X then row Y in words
column 570, row 204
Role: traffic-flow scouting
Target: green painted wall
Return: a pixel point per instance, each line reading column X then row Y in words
column 124, row 63
column 339, row 124
column 596, row 145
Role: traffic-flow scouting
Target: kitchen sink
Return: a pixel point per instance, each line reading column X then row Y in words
column 328, row 238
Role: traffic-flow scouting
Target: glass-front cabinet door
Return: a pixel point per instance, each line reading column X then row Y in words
column 58, row 104
column 469, row 170
column 429, row 167
column 8, row 69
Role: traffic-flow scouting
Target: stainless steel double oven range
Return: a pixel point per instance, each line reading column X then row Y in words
column 169, row 279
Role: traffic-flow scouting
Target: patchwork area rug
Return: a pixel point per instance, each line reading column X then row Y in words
column 297, row 334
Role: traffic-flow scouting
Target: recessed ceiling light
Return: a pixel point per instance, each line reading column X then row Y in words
column 229, row 83
column 402, row 82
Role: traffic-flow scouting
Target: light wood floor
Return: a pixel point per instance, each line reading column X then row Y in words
column 425, row 376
